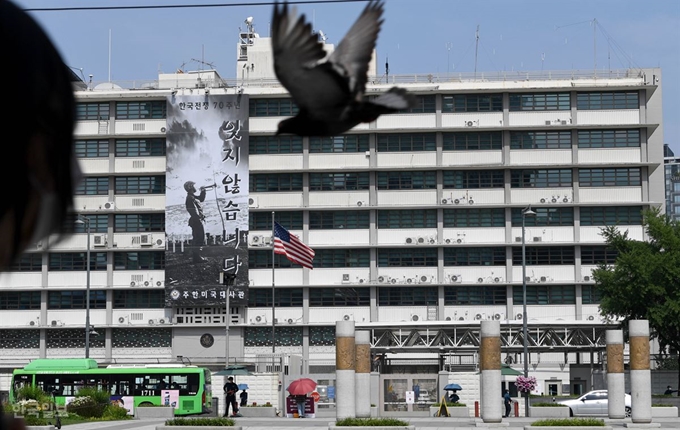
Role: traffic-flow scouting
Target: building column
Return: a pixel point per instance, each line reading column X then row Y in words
column 615, row 377
column 345, row 365
column 640, row 376
column 362, row 374
column 490, row 367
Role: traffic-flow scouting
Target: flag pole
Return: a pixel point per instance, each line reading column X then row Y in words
column 273, row 295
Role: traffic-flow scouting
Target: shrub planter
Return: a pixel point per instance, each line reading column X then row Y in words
column 197, row 427
column 454, row 411
column 258, row 411
column 567, row 428
column 664, row 412
column 332, row 426
column 549, row 412
column 154, row 412
column 39, row 427
column 374, row 412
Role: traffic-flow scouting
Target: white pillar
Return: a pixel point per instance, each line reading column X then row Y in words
column 490, row 366
column 345, row 364
column 615, row 377
column 362, row 374
column 640, row 376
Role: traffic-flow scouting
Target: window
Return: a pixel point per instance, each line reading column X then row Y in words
column 544, row 217
column 140, row 147
column 275, row 145
column 406, row 180
column 492, row 256
column 92, row 111
column 262, row 336
column 420, row 218
column 464, row 179
column 339, row 297
column 544, row 255
column 407, row 296
column 141, row 110
column 138, row 299
column 546, row 295
column 264, row 182
column 98, row 223
column 322, row 336
column 541, row 178
column 590, row 295
column 407, row 257
column 474, row 217
column 540, row 140
column 91, row 148
column 285, row 297
column 74, row 261
column 622, row 177
column 263, row 220
column 76, row 299
column 326, row 258
column 424, row 104
column 407, row 142
column 609, row 138
column 27, row 263
column 338, row 181
column 606, row 215
column 90, row 186
column 327, row 220
column 540, row 102
column 140, row 184
column 19, row 300
column 479, row 141
column 150, row 260
column 482, row 295
column 598, row 255
column 144, row 338
column 273, row 107
column 133, row 223
column 472, row 103
column 607, row 100
column 347, row 143
column 263, row 260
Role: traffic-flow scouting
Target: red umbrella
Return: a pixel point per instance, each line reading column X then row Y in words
column 301, row 386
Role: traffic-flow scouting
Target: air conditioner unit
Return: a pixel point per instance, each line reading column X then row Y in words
column 276, row 320
column 32, row 323
column 498, row 279
column 153, row 322
column 261, row 319
column 586, row 278
column 163, row 129
column 361, row 203
column 497, row 316
column 256, row 240
column 415, row 317
column 147, row 283
column 146, row 240
column 133, row 284
column 518, row 238
column 456, row 278
column 538, row 239
column 448, row 241
column 591, row 318
column 479, row 316
column 548, row 122
column 480, row 280
column 345, row 278
column 55, row 323
column 266, row 240
column 432, row 240
column 252, row 202
column 411, row 240
column 109, row 206
column 159, row 283
column 121, row 320
column 445, row 201
column 471, row 202
column 460, row 240
column 527, row 279
column 422, row 240
column 564, row 122
column 392, row 280
column 544, row 200
column 159, row 242
column 361, row 281
column 519, row 316
column 346, row 317
column 474, row 123
column 554, row 199
column 382, row 279
column 290, row 321
column 424, row 279
column 409, row 280
column 544, row 279
column 565, row 199
column 447, row 319
column 461, row 319
column 99, row 240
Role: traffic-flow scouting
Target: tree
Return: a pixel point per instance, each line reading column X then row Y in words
column 644, row 283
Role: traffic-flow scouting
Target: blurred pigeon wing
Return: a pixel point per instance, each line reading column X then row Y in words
column 352, row 56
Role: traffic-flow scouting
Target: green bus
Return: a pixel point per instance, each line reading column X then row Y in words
column 188, row 388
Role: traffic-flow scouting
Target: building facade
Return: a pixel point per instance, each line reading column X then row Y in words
column 672, row 176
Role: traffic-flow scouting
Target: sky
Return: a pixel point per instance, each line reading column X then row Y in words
column 418, row 37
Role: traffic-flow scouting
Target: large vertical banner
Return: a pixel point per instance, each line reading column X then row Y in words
column 206, row 213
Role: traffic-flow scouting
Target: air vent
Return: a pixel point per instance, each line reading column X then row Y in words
column 346, row 317
column 109, row 206
column 497, row 316
column 586, row 278
column 519, row 316
column 448, row 318
column 252, row 202
column 415, row 317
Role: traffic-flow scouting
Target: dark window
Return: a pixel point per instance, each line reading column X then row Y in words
column 590, row 295
column 91, row 148
column 472, row 103
column 140, row 184
column 259, row 145
column 262, row 336
column 264, row 182
column 406, row 180
column 138, row 299
column 151, row 260
column 464, row 179
column 622, row 177
column 92, row 111
column 285, row 297
column 133, row 223
column 76, row 299
column 263, row 260
column 152, row 147
column 421, row 218
column 544, row 217
column 544, row 255
column 155, row 109
column 273, row 107
column 90, row 186
column 98, row 223
column 538, row 102
column 540, row 140
column 346, row 143
column 322, row 336
column 491, row 256
column 19, row 300
column 407, row 257
column 74, row 261
column 263, row 220
column 407, row 142
column 546, row 295
column 407, row 296
column 481, row 295
column 480, row 141
column 607, row 215
column 330, row 220
column 338, row 181
column 598, row 255
column 608, row 100
column 474, row 217
column 609, row 138
column 27, row 263
column 326, row 258
column 424, row 104
column 339, row 297
column 538, row 178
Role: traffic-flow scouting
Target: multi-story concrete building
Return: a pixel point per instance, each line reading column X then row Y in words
column 416, row 220
column 672, row 173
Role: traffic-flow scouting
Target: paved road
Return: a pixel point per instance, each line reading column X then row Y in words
column 426, row 423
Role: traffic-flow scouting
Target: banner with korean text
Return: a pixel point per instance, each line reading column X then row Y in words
column 206, row 209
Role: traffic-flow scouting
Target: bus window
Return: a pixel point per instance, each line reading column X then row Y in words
column 20, row 381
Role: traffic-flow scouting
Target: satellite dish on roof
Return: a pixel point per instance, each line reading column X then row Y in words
column 105, row 86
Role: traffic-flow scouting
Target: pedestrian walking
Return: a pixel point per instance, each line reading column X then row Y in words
column 508, row 402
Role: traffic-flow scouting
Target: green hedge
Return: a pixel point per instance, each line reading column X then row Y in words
column 215, row 422
column 370, row 422
column 547, row 404
column 569, row 422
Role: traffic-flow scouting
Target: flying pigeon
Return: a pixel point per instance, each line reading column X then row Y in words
column 330, row 94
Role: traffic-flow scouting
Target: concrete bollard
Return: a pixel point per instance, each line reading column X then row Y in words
column 615, row 377
column 362, row 374
column 345, row 365
column 640, row 376
column 490, row 366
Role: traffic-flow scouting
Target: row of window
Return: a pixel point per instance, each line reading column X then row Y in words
column 98, row 148
column 99, row 185
column 122, row 299
column 122, row 223
column 100, row 111
column 74, row 338
column 75, row 261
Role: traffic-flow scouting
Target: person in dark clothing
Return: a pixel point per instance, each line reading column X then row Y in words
column 301, row 400
column 453, row 398
column 230, row 389
column 196, row 218
column 669, row 391
column 508, row 402
column 244, row 398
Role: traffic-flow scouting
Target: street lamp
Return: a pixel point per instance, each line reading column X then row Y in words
column 525, row 212
column 228, row 280
column 85, row 220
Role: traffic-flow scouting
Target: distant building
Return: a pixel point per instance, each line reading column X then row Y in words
column 672, row 173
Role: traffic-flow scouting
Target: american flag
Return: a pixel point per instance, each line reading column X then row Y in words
column 289, row 245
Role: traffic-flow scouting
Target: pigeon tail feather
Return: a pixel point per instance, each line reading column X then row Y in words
column 396, row 99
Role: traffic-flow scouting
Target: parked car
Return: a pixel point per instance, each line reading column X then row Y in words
column 593, row 403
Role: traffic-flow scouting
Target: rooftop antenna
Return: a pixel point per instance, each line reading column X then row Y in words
column 449, row 45
column 109, row 55
column 387, row 69
column 202, row 62
column 476, row 49
column 542, row 60
column 595, row 46
column 80, row 69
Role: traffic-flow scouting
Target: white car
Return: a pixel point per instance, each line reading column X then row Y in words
column 593, row 403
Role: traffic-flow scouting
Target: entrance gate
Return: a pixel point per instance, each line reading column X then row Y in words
column 393, row 388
